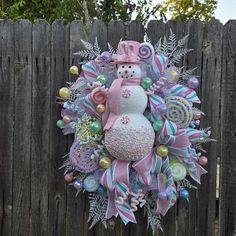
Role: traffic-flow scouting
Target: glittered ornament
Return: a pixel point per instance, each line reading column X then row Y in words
column 101, row 189
column 100, row 108
column 162, row 151
column 201, row 140
column 146, row 82
column 78, row 185
column 184, row 193
column 102, row 79
column 74, row 70
column 96, row 126
column 193, row 82
column 68, row 177
column 178, row 171
column 105, row 162
column 90, row 184
column 106, row 56
column 64, row 93
column 66, row 119
column 162, row 108
column 60, row 124
column 172, row 73
column 202, row 160
column 157, row 125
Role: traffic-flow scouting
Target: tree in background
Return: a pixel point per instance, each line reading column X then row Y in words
column 106, row 10
column 189, row 9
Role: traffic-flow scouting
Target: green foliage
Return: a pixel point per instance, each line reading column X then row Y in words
column 106, row 10
column 189, row 9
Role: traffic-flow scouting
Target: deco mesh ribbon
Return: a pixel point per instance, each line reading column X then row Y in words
column 145, row 111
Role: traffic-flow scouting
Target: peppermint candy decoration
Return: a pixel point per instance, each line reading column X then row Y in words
column 146, row 51
column 179, row 111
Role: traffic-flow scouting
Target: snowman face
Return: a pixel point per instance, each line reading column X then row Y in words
column 129, row 71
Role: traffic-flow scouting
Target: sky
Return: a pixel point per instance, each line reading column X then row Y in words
column 226, row 10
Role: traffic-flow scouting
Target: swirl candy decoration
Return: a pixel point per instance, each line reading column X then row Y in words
column 179, row 111
column 98, row 96
column 146, row 51
column 143, row 105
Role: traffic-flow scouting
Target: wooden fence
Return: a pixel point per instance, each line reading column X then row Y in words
column 34, row 62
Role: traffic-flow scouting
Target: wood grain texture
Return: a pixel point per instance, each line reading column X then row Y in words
column 40, row 127
column 7, row 63
column 135, row 31
column 58, row 142
column 228, row 132
column 22, row 128
column 210, row 95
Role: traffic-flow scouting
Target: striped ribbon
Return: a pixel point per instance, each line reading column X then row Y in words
column 159, row 64
column 90, row 107
column 177, row 142
column 190, row 94
column 89, row 71
column 116, row 180
column 155, row 101
column 194, row 134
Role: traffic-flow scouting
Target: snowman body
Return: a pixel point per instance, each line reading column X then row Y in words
column 131, row 137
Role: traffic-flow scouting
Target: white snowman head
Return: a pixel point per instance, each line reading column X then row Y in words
column 129, row 71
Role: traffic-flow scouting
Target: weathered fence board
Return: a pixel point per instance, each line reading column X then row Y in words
column 228, row 133
column 7, row 124
column 34, row 62
column 210, row 94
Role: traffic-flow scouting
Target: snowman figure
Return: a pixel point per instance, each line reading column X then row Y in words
column 128, row 133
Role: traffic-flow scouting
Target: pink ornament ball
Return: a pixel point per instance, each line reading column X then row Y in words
column 68, row 177
column 203, row 160
column 66, row 119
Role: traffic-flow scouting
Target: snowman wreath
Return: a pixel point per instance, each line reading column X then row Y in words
column 136, row 129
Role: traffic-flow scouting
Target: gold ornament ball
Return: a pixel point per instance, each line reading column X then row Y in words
column 201, row 140
column 100, row 108
column 74, row 70
column 105, row 162
column 64, row 93
column 174, row 75
column 162, row 151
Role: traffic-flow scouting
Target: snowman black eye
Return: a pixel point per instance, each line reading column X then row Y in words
column 123, row 66
column 130, row 66
column 119, row 72
column 131, row 75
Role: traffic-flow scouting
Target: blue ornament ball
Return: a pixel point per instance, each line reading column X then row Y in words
column 184, row 193
column 91, row 184
column 101, row 189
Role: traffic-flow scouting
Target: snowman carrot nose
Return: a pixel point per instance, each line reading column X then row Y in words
column 126, row 71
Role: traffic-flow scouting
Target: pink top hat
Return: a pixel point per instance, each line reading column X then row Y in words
column 128, row 52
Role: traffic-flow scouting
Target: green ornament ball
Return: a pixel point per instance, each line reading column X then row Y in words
column 146, row 82
column 102, row 79
column 96, row 127
column 60, row 124
column 157, row 125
